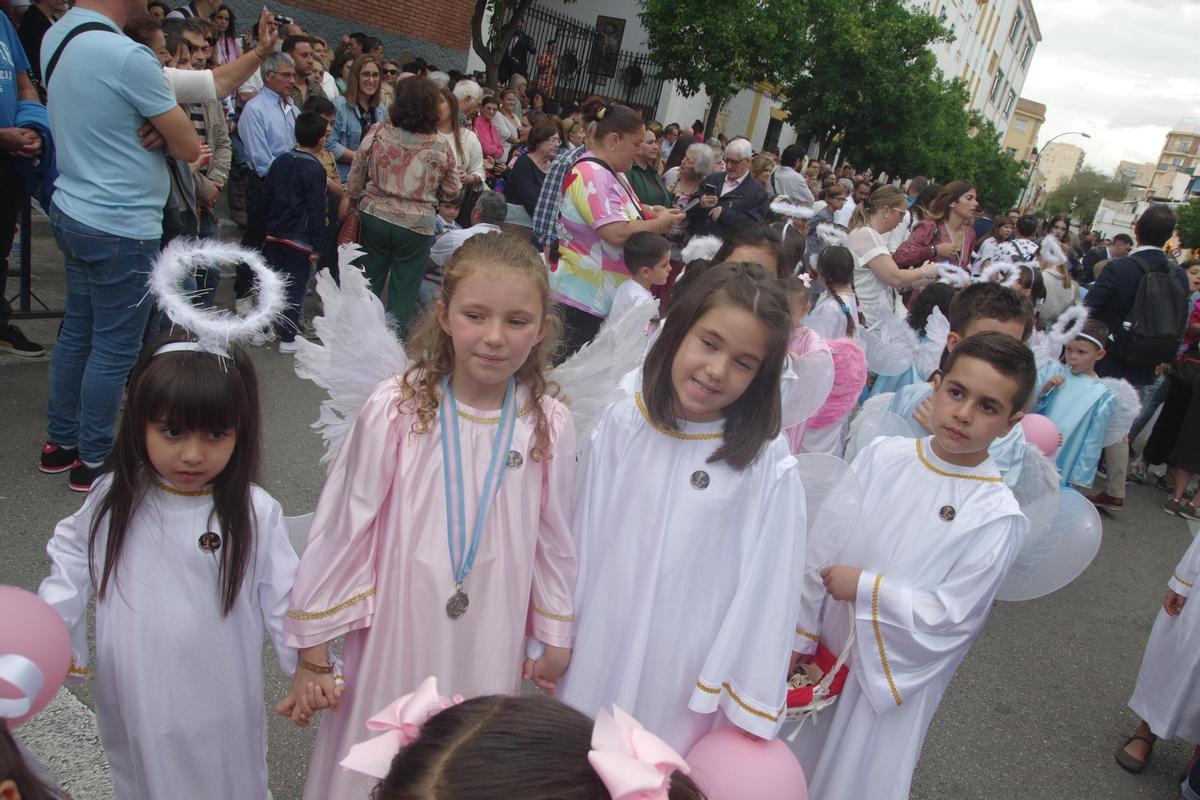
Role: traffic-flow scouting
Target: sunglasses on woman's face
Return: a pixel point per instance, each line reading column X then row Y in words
column 391, row 71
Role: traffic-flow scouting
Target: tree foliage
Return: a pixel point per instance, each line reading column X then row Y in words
column 1189, row 224
column 489, row 45
column 1081, row 196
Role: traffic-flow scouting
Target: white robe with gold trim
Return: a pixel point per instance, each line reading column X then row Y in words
column 935, row 542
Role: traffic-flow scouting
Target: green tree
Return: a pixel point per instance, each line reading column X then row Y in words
column 489, row 45
column 996, row 175
column 1189, row 224
column 720, row 48
column 1081, row 196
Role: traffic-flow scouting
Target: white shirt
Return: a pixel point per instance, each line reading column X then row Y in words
column 874, row 295
column 843, row 217
column 450, row 241
column 192, row 86
column 329, row 86
column 629, row 294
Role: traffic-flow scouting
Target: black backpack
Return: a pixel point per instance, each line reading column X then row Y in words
column 1156, row 322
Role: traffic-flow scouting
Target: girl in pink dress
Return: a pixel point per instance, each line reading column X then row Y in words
column 440, row 544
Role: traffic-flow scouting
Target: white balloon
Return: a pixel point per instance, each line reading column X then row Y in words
column 1064, row 536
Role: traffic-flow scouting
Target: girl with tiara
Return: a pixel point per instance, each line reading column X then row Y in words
column 533, row 748
column 690, row 523
column 441, row 539
column 187, row 558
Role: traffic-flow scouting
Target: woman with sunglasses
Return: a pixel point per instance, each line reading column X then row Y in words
column 356, row 111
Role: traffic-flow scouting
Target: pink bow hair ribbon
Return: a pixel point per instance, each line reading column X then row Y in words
column 806, row 279
column 401, row 723
column 633, row 764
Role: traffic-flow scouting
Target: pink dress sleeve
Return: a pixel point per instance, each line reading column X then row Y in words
column 334, row 591
column 551, row 617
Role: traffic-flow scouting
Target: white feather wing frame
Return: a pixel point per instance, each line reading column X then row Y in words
column 1045, row 350
column 786, row 207
column 358, row 351
column 1037, row 478
column 806, row 384
column 590, row 380
column 1069, row 324
column 698, row 247
column 928, row 357
column 954, row 275
column 1126, row 407
column 1051, row 251
column 832, row 234
column 890, row 346
column 215, row 328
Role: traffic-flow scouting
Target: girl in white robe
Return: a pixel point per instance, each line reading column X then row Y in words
column 1167, row 694
column 188, row 559
column 690, row 523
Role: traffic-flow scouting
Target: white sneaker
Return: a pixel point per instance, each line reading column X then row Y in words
column 243, row 306
column 288, row 347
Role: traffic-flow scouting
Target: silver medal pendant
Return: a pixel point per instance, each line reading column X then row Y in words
column 456, row 606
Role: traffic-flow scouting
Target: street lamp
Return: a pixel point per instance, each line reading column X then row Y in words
column 1042, row 149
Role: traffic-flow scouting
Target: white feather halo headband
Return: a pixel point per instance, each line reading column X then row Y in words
column 214, row 329
column 1005, row 273
column 705, row 247
column 785, row 207
column 832, row 234
column 953, row 275
column 1051, row 251
column 1069, row 324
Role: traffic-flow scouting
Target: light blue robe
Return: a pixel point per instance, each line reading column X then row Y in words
column 1008, row 451
column 1080, row 408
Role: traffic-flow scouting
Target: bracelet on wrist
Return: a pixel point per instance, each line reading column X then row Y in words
column 316, row 669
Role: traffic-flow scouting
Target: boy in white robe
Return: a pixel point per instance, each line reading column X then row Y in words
column 979, row 307
column 921, row 582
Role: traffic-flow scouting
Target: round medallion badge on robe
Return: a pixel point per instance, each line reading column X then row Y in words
column 210, row 542
column 947, row 513
column 700, row 479
column 514, row 460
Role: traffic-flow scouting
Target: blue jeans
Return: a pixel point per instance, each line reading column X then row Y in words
column 101, row 334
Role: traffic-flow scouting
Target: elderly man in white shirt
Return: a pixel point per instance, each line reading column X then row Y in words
column 486, row 217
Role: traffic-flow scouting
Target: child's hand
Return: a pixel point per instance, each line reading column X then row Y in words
column 546, row 671
column 1057, row 380
column 1174, row 603
column 924, row 414
column 1162, row 369
column 841, row 581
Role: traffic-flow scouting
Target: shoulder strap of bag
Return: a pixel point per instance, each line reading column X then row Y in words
column 71, row 34
column 620, row 182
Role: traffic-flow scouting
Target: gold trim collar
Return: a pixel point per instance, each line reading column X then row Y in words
column 691, row 437
column 938, row 471
column 169, row 489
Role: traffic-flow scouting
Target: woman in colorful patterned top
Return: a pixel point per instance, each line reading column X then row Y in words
column 599, row 212
column 397, row 173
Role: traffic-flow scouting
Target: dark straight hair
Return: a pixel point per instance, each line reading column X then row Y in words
column 187, row 391
column 13, row 768
column 756, row 417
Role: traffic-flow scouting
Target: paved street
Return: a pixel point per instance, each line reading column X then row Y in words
column 1036, row 710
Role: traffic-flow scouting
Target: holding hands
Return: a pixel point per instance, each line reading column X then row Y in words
column 548, row 668
column 841, row 581
column 313, row 690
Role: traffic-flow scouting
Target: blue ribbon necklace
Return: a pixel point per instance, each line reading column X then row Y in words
column 462, row 558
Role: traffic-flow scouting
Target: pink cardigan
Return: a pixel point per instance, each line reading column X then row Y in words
column 489, row 137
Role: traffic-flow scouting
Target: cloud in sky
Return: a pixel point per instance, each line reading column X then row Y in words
column 1120, row 70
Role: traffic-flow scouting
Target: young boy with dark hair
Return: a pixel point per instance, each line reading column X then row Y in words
column 938, row 533
column 978, row 308
column 1078, row 404
column 648, row 259
column 295, row 199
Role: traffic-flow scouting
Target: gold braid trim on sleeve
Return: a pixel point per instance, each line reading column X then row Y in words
column 807, row 634
column 541, row 612
column 329, row 612
column 749, row 709
column 887, row 671
column 1182, row 581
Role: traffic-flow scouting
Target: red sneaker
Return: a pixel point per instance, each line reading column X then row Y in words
column 57, row 459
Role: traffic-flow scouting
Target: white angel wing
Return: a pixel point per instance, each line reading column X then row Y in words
column 890, row 346
column 807, row 381
column 928, row 356
column 833, row 498
column 1045, row 349
column 873, row 421
column 1126, row 407
column 358, row 349
column 1037, row 478
column 1064, row 536
column 590, row 379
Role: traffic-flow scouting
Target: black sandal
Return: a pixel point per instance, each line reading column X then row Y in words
column 1128, row 762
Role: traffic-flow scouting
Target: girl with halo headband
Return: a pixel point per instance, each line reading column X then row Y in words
column 690, row 523
column 188, row 559
column 534, row 748
column 441, row 538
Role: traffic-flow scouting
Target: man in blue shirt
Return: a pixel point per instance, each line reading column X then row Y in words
column 106, row 214
column 15, row 143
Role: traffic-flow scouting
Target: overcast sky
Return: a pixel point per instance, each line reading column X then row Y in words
column 1122, row 70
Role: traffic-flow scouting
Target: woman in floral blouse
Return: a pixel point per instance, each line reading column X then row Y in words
column 398, row 172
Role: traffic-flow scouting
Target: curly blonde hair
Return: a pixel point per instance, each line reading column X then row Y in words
column 431, row 350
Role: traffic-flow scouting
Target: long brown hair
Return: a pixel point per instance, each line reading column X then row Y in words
column 431, row 349
column 455, row 123
column 13, row 768
column 188, row 391
column 883, row 196
column 352, row 82
column 756, row 417
column 532, row 748
column 948, row 196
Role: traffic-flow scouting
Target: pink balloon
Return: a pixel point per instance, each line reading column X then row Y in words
column 30, row 627
column 1042, row 433
column 729, row 765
